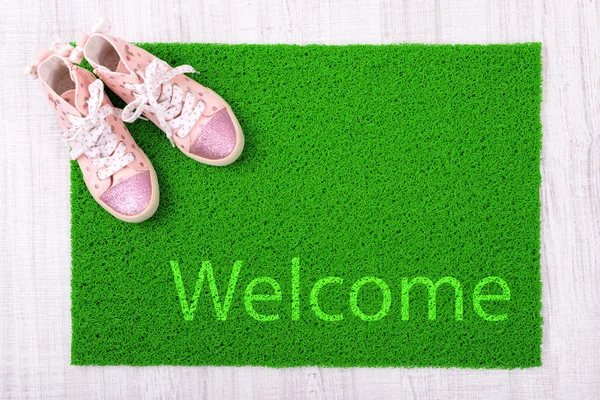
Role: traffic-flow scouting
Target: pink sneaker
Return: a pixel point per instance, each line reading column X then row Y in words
column 117, row 172
column 194, row 118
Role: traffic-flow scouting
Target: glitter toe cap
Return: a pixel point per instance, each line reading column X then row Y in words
column 217, row 138
column 131, row 196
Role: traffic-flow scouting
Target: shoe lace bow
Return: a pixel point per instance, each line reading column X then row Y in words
column 156, row 95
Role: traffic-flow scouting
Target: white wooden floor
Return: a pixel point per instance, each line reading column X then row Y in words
column 34, row 193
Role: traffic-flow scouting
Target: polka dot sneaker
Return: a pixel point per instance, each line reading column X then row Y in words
column 117, row 172
column 194, row 118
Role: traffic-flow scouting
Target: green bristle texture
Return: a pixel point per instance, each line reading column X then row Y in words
column 390, row 161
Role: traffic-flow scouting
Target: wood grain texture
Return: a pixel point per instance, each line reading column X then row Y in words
column 34, row 194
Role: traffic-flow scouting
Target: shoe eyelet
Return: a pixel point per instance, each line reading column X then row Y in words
column 100, row 179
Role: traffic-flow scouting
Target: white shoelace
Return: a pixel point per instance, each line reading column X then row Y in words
column 92, row 135
column 156, row 95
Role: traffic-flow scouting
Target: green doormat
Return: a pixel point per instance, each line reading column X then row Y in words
column 385, row 212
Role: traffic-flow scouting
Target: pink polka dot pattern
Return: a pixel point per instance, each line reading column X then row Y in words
column 93, row 136
column 175, row 110
column 92, row 130
column 176, row 103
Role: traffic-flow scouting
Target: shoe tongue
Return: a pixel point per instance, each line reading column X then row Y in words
column 69, row 97
column 122, row 68
column 83, row 78
column 116, row 77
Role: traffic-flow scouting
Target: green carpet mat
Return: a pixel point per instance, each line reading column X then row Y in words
column 385, row 212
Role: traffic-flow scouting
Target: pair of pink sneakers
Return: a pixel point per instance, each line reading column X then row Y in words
column 116, row 171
